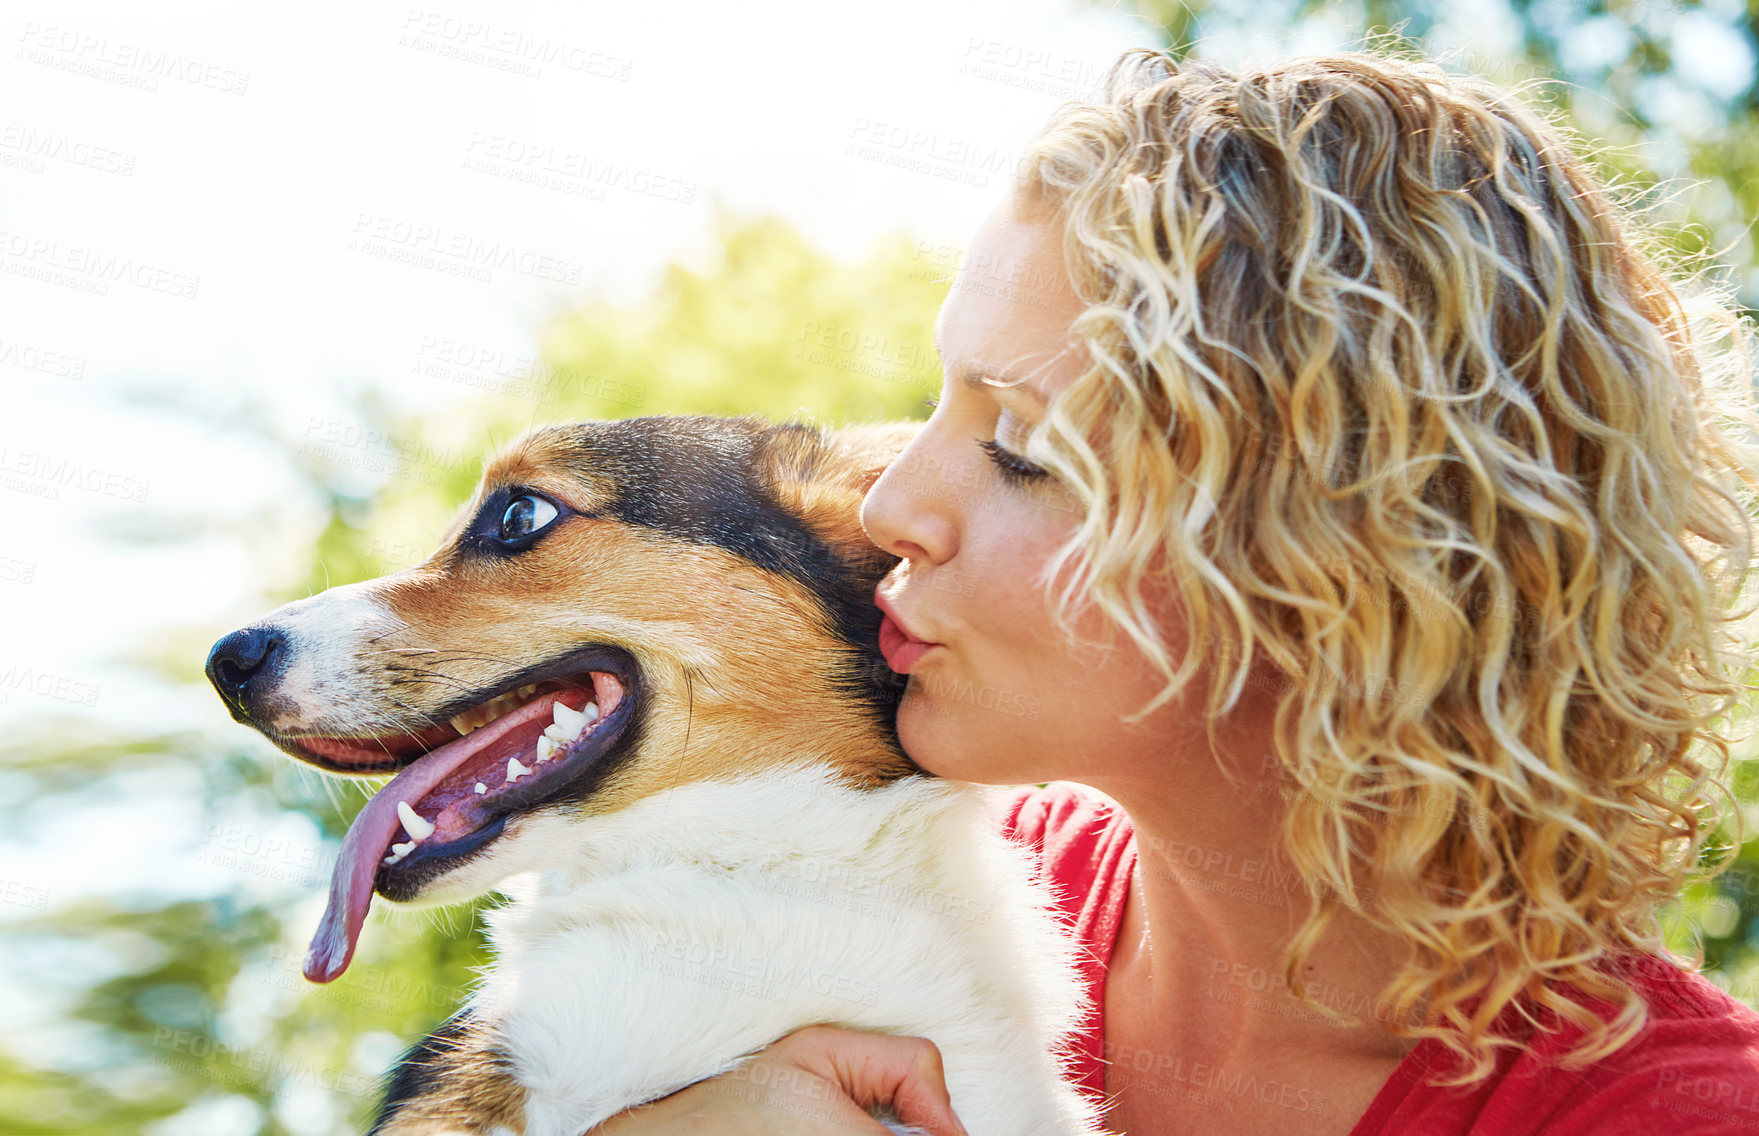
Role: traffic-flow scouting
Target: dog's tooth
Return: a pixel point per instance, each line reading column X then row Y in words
column 571, row 720
column 515, row 770
column 417, row 828
column 481, row 788
column 404, row 849
column 528, row 691
column 546, row 748
column 591, row 710
column 557, row 734
column 463, row 724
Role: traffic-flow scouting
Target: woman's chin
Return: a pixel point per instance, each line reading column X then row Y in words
column 962, row 743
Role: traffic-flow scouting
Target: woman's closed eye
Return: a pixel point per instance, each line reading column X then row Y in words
column 1012, row 466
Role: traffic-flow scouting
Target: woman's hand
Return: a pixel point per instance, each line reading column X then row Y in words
column 816, row 1080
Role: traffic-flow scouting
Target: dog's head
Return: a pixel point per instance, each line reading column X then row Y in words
column 622, row 608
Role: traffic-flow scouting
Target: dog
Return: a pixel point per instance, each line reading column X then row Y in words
column 638, row 690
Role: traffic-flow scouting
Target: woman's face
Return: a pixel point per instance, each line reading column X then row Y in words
column 996, row 694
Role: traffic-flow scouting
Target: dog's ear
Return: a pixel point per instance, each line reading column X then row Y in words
column 821, row 476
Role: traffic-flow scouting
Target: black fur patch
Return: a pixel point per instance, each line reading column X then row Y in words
column 415, row 1074
column 704, row 480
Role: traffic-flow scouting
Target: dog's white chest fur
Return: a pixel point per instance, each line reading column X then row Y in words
column 667, row 941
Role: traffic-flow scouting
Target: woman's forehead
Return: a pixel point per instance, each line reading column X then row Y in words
column 1009, row 311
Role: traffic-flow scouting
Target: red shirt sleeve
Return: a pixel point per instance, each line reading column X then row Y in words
column 1087, row 850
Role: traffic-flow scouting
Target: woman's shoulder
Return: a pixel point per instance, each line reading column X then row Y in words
column 1700, row 1046
column 1694, row 1067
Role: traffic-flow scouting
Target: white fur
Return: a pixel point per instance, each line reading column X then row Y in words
column 663, row 943
column 327, row 635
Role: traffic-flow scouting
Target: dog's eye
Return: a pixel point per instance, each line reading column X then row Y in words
column 524, row 516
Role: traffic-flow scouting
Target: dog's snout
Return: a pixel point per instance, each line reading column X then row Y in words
column 242, row 658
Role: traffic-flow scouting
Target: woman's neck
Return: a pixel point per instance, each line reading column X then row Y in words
column 1214, row 906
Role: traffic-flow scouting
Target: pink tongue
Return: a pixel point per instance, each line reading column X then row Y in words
column 351, row 885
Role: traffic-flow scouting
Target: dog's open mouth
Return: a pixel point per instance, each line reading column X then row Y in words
column 505, row 754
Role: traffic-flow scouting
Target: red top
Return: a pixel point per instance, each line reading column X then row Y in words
column 1694, row 1068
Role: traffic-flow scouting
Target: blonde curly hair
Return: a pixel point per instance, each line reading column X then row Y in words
column 1386, row 387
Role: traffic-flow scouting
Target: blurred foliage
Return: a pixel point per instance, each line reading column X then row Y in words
column 180, row 1015
column 179, row 1008
column 1665, row 93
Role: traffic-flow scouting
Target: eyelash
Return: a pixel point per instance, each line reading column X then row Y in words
column 1012, row 466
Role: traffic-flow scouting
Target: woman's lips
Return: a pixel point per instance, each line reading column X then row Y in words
column 901, row 649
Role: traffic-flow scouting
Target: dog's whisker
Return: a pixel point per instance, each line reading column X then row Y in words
column 433, row 677
column 412, row 735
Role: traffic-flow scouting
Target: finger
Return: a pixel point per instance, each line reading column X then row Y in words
column 903, row 1072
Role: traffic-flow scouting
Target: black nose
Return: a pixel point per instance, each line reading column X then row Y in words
column 240, row 658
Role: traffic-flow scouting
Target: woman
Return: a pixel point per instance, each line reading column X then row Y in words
column 1321, row 453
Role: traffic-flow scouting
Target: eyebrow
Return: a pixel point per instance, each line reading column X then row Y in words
column 983, row 379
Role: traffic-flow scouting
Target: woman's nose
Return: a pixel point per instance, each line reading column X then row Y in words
column 912, row 510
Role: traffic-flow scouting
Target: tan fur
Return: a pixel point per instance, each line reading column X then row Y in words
column 473, row 1093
